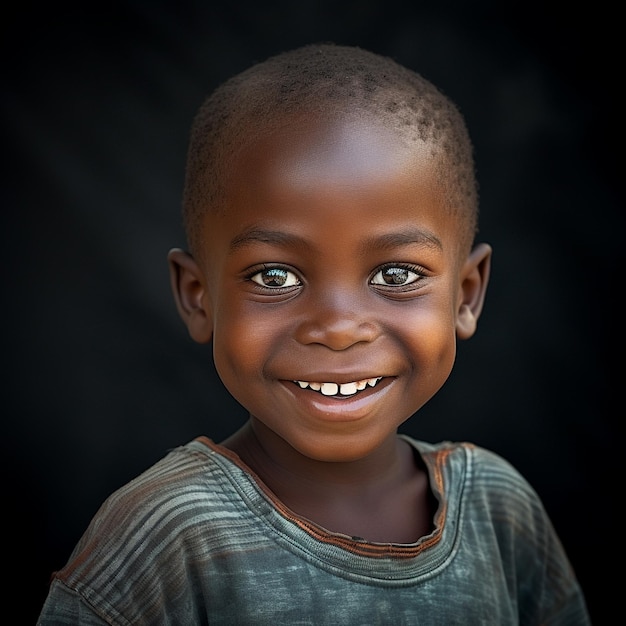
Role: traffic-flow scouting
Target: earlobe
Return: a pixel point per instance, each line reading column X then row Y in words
column 474, row 280
column 190, row 295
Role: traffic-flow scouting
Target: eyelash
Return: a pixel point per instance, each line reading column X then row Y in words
column 418, row 271
column 269, row 268
column 419, row 274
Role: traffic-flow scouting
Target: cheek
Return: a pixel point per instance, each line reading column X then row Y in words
column 242, row 344
column 233, row 350
column 430, row 336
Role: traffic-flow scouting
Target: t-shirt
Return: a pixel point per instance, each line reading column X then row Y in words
column 199, row 539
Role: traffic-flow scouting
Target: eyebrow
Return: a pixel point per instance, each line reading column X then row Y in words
column 386, row 241
column 406, row 237
column 261, row 235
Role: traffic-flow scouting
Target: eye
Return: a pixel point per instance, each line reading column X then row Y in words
column 395, row 275
column 275, row 278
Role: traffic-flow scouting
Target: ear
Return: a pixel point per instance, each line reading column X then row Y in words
column 191, row 295
column 474, row 279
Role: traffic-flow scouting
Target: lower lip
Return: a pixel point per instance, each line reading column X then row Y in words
column 340, row 408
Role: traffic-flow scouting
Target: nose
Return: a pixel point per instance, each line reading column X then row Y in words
column 337, row 321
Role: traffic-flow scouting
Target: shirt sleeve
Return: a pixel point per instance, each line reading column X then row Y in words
column 63, row 606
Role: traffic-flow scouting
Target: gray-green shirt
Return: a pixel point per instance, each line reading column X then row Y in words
column 198, row 539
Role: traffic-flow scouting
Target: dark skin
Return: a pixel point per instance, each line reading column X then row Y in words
column 334, row 287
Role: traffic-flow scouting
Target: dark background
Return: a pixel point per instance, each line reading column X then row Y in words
column 100, row 376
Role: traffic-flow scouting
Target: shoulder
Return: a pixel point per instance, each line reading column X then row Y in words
column 489, row 490
column 501, row 499
column 159, row 527
column 483, row 471
column 496, row 483
column 497, row 505
column 492, row 473
column 154, row 514
column 499, row 518
column 181, row 473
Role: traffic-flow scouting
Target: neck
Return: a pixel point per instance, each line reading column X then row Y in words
column 383, row 497
column 285, row 469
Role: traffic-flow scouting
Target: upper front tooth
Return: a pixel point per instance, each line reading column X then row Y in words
column 316, row 386
column 348, row 389
column 328, row 389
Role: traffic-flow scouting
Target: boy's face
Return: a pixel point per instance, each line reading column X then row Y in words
column 333, row 285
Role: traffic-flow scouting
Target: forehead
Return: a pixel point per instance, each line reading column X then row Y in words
column 310, row 153
column 309, row 174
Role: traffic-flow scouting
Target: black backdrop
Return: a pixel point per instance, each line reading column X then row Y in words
column 100, row 377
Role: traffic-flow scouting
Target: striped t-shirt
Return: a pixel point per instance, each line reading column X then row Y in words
column 199, row 539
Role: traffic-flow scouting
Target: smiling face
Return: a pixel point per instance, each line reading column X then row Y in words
column 332, row 284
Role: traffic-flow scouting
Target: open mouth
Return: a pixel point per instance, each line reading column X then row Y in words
column 339, row 389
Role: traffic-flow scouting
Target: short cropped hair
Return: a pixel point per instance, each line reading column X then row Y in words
column 326, row 78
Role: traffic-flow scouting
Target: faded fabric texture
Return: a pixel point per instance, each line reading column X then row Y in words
column 198, row 539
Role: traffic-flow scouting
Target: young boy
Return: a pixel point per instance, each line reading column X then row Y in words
column 330, row 206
